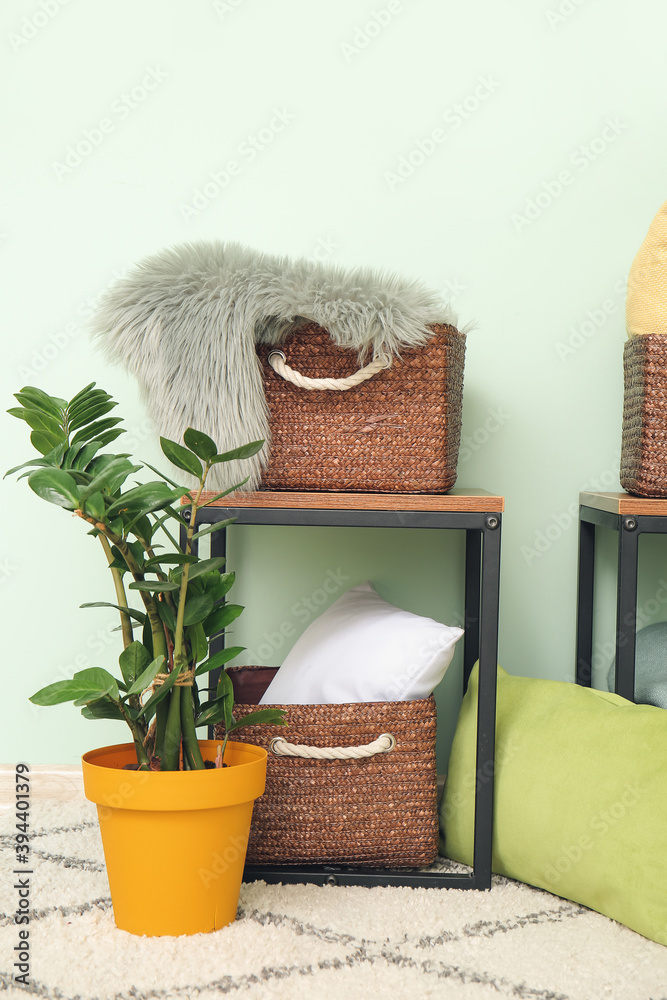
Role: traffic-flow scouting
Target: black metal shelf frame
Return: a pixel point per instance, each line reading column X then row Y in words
column 629, row 529
column 482, row 592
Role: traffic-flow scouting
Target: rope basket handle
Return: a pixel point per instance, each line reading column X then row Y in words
column 279, row 364
column 279, row 746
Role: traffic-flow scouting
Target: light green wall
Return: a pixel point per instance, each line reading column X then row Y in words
column 545, row 294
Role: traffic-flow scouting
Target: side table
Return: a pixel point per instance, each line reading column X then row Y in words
column 630, row 517
column 479, row 514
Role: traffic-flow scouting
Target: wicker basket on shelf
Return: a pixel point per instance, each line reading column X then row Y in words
column 644, row 440
column 396, row 431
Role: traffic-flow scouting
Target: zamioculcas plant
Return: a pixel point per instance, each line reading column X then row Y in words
column 182, row 597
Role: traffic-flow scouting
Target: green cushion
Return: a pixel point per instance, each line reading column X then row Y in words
column 580, row 797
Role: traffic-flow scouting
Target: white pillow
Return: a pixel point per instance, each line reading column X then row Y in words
column 363, row 649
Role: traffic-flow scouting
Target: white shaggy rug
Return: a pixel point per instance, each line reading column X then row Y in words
column 296, row 942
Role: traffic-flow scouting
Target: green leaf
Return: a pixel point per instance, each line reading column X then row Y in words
column 132, row 661
column 38, row 420
column 205, row 566
column 94, row 430
column 117, row 526
column 42, row 462
column 153, row 507
column 181, row 457
column 200, row 443
column 141, row 528
column 218, row 659
column 170, row 559
column 198, row 642
column 167, row 615
column 82, row 394
column 225, row 694
column 109, row 436
column 171, row 481
column 210, row 713
column 94, row 506
column 139, row 499
column 157, row 586
column 197, row 608
column 85, row 686
column 137, row 552
column 29, row 396
column 88, row 414
column 214, row 527
column 56, row 486
column 224, row 583
column 101, row 462
column 221, row 618
column 105, row 708
column 177, row 517
column 147, row 676
column 86, row 454
column 245, row 451
column 160, row 692
column 44, row 441
column 264, row 716
column 95, row 683
column 105, row 479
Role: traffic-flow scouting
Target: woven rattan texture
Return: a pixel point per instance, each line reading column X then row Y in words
column 644, row 441
column 380, row 811
column 397, row 432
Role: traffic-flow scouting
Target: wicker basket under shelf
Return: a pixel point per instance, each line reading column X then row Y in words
column 397, row 432
column 380, row 811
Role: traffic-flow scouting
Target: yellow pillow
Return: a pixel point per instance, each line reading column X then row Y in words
column 646, row 303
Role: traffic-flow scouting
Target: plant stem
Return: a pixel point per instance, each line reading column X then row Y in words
column 138, row 735
column 190, row 744
column 172, row 736
column 180, row 702
column 121, row 598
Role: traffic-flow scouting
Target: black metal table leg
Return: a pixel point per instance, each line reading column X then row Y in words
column 586, row 576
column 626, row 607
column 472, row 600
column 486, row 702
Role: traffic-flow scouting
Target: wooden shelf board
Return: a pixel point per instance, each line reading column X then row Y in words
column 467, row 500
column 623, row 503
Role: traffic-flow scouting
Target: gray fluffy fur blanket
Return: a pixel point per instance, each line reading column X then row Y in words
column 185, row 322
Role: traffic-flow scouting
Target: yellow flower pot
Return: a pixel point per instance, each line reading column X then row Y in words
column 174, row 841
